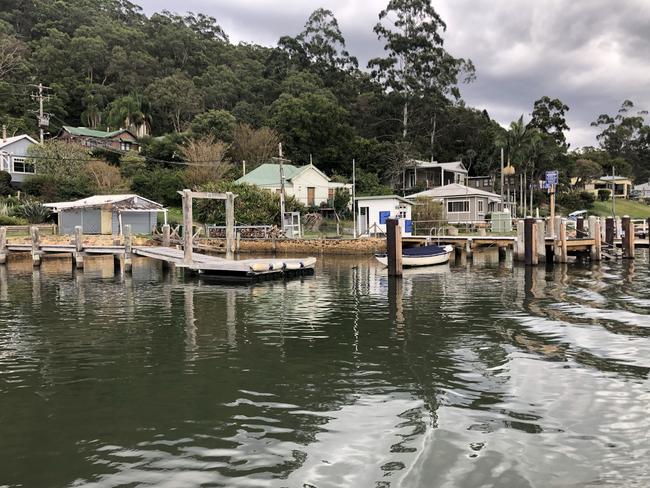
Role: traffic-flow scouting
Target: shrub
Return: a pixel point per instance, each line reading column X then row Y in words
column 603, row 195
column 341, row 201
column 426, row 209
column 575, row 200
column 159, row 185
column 104, row 177
column 53, row 189
column 253, row 205
column 33, row 212
column 132, row 164
column 9, row 220
column 5, row 184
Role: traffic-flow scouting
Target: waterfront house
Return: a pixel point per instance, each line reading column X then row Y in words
column 425, row 174
column 482, row 182
column 119, row 140
column 372, row 213
column 107, row 214
column 618, row 185
column 13, row 157
column 462, row 204
column 307, row 184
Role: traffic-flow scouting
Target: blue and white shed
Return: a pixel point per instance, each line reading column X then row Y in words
column 372, row 213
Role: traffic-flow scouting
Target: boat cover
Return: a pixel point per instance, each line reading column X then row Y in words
column 423, row 251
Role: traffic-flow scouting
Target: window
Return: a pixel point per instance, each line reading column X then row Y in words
column 486, row 182
column 480, row 206
column 455, row 207
column 125, row 145
column 330, row 194
column 21, row 166
column 411, row 182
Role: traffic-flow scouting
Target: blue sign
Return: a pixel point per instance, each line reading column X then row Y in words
column 383, row 217
column 408, row 226
column 552, row 178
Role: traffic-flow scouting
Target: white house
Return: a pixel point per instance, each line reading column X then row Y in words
column 307, row 184
column 372, row 213
column 462, row 204
column 13, row 156
column 431, row 174
column 642, row 190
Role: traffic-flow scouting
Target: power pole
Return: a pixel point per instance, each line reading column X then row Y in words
column 280, row 161
column 502, row 181
column 613, row 192
column 354, row 211
column 43, row 118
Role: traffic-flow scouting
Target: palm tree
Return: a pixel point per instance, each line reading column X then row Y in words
column 131, row 112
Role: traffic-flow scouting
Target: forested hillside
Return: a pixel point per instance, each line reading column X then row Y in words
column 108, row 65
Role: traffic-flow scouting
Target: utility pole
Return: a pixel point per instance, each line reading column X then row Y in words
column 613, row 192
column 280, row 159
column 43, row 118
column 502, row 181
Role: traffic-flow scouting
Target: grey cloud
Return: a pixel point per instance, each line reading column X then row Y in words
column 592, row 55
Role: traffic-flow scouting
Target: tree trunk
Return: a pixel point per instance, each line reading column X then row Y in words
column 433, row 136
column 405, row 119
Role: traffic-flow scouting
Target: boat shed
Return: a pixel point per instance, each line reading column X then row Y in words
column 108, row 214
column 372, row 213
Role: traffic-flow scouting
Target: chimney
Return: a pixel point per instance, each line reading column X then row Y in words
column 4, row 133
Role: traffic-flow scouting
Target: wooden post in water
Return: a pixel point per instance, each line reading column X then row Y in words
column 469, row 248
column 541, row 241
column 78, row 255
column 595, row 234
column 502, row 250
column 237, row 241
column 530, row 242
column 36, row 245
column 166, row 239
column 519, row 243
column 609, row 231
column 394, row 247
column 230, row 225
column 563, row 254
column 128, row 247
column 3, row 245
column 618, row 228
column 187, row 227
column 627, row 236
column 580, row 228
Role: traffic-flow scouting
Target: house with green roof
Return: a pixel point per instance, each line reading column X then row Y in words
column 118, row 140
column 307, row 184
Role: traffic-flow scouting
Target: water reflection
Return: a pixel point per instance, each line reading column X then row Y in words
column 483, row 374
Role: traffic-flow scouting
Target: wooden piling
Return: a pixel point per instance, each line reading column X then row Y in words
column 519, row 243
column 187, row 227
column 580, row 228
column 530, row 242
column 166, row 235
column 3, row 245
column 595, row 234
column 502, row 250
column 394, row 247
column 627, row 237
column 128, row 248
column 237, row 241
column 541, row 241
column 78, row 254
column 469, row 248
column 36, row 245
column 609, row 231
column 618, row 228
column 563, row 256
column 230, row 225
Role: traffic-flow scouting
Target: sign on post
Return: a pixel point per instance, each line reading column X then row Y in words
column 552, row 178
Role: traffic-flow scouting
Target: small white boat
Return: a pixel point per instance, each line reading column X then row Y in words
column 421, row 256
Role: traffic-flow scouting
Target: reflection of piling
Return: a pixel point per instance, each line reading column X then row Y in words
column 394, row 247
column 627, row 236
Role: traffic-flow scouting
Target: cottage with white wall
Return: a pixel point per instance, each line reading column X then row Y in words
column 372, row 213
column 462, row 204
column 307, row 184
column 13, row 156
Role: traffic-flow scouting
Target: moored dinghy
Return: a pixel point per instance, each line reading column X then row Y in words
column 421, row 256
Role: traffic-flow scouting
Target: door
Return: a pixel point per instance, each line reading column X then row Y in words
column 311, row 195
column 364, row 220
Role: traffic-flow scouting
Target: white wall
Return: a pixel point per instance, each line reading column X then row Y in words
column 19, row 149
column 298, row 186
column 383, row 205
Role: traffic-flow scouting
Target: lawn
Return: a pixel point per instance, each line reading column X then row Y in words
column 634, row 209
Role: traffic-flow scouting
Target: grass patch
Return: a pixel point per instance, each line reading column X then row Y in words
column 634, row 209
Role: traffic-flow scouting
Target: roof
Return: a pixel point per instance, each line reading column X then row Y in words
column 269, row 174
column 455, row 190
column 100, row 134
column 385, row 197
column 456, row 166
column 11, row 140
column 613, row 178
column 129, row 201
column 642, row 186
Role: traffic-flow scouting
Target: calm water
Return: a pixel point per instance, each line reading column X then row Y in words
column 482, row 375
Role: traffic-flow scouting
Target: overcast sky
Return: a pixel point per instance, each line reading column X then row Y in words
column 592, row 54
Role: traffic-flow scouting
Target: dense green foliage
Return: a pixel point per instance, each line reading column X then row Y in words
column 171, row 77
column 5, row 184
column 253, row 205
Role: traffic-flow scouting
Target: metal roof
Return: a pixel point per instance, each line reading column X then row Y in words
column 385, row 197
column 455, row 166
column 11, row 140
column 128, row 201
column 455, row 190
column 269, row 174
column 86, row 132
